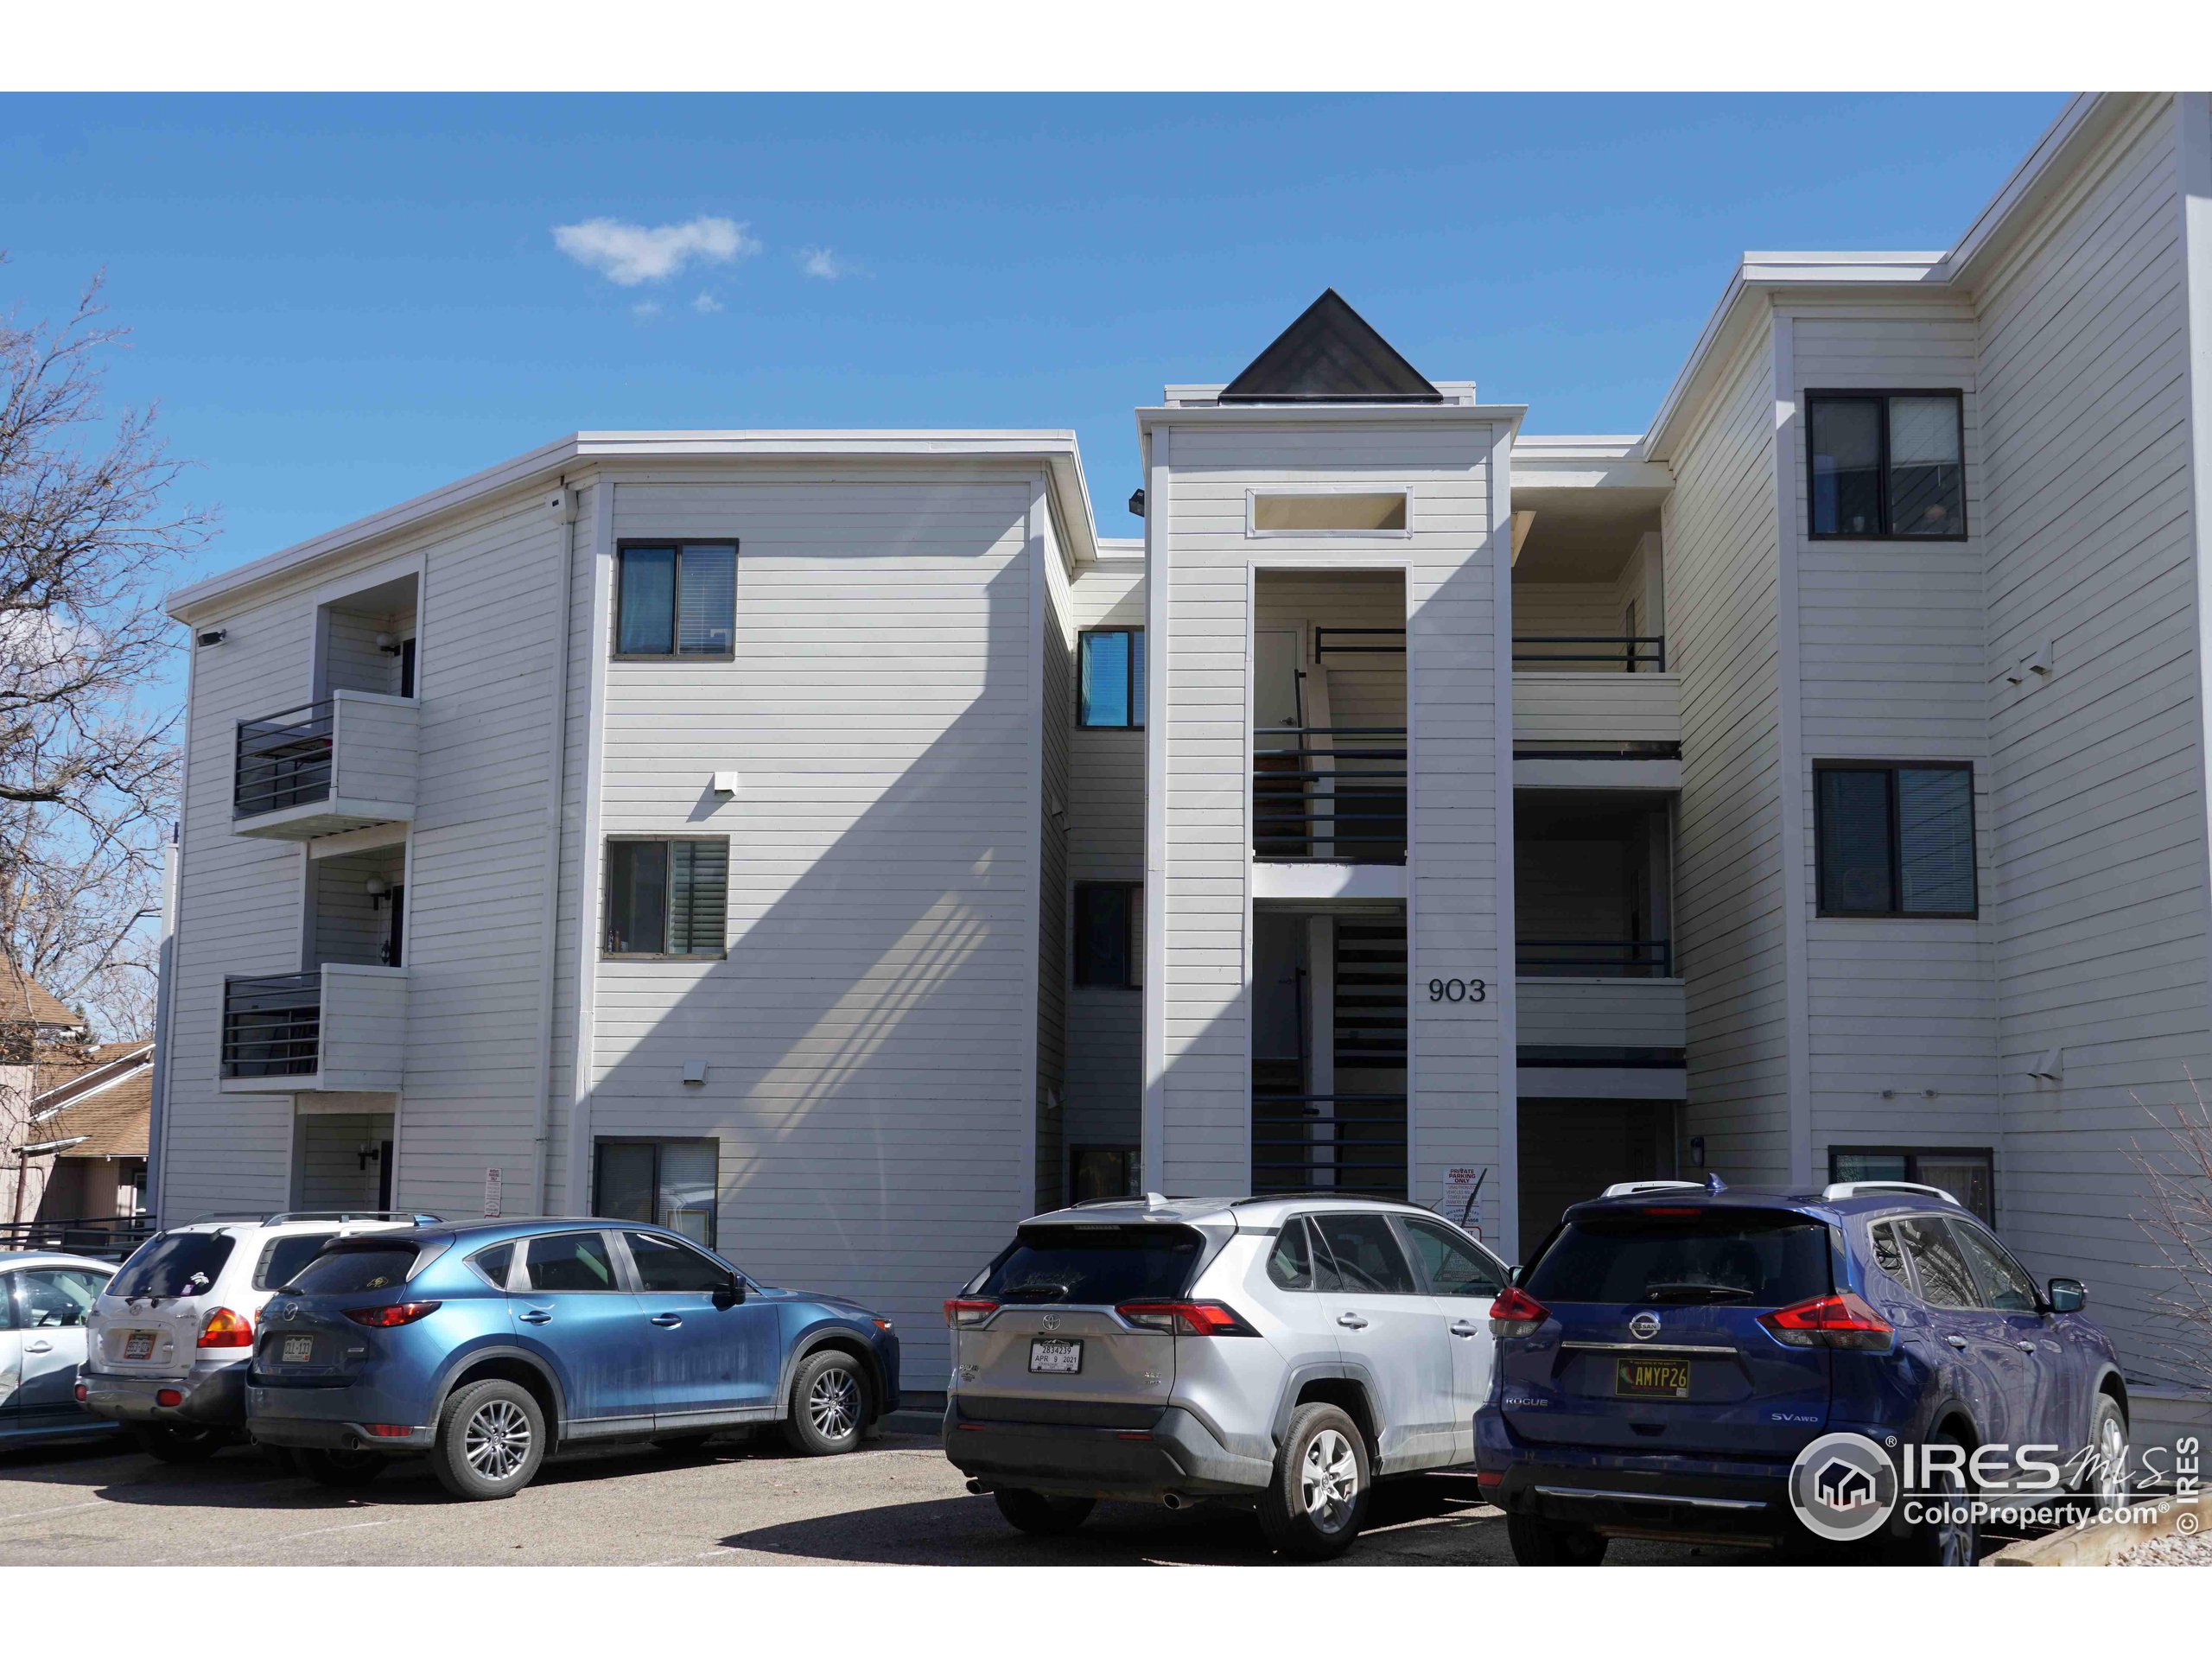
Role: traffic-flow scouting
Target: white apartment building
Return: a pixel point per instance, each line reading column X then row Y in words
column 831, row 844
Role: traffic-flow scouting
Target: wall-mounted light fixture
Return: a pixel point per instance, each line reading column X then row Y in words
column 376, row 888
column 1137, row 503
column 366, row 1154
column 211, row 636
column 1697, row 1150
column 388, row 644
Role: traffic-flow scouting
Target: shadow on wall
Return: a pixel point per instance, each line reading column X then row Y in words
column 867, row 1037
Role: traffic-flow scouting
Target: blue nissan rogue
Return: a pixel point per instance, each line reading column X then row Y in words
column 1672, row 1347
column 488, row 1344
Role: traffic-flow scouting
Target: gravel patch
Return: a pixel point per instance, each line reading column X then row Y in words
column 2172, row 1550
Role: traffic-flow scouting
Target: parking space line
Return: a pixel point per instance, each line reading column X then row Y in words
column 58, row 1509
column 288, row 1538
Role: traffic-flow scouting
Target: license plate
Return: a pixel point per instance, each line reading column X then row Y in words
column 298, row 1349
column 139, row 1344
column 1652, row 1379
column 1056, row 1356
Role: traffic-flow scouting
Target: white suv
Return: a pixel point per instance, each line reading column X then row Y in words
column 1282, row 1352
column 169, row 1340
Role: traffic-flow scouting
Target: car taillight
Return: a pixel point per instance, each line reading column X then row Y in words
column 83, row 1394
column 1517, row 1313
column 1187, row 1319
column 225, row 1329
column 1841, row 1321
column 381, row 1318
column 969, row 1310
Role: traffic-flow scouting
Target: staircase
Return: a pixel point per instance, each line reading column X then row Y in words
column 1354, row 1141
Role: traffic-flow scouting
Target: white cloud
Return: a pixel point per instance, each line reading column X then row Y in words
column 629, row 254
column 826, row 263
column 706, row 303
column 646, row 308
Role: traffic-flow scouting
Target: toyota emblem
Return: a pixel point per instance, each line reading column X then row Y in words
column 1051, row 1322
column 1644, row 1325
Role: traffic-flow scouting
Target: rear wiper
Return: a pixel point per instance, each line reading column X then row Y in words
column 1695, row 1292
column 1039, row 1293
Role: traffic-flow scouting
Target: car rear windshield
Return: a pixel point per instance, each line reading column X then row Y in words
column 172, row 1264
column 282, row 1258
column 1749, row 1258
column 375, row 1267
column 1095, row 1266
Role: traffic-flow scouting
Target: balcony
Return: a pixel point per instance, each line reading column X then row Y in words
column 1582, row 699
column 341, row 1028
column 344, row 763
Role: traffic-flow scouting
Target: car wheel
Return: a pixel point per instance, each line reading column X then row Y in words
column 682, row 1446
column 490, row 1440
column 344, row 1470
column 179, row 1442
column 1313, row 1507
column 1540, row 1543
column 1947, row 1534
column 829, row 1404
column 1041, row 1513
column 2104, row 1477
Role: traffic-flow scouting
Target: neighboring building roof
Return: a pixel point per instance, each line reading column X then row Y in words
column 1330, row 354
column 25, row 1002
column 108, row 1105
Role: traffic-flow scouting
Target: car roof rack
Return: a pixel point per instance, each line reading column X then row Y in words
column 1836, row 1190
column 1331, row 1192
column 1630, row 1189
column 413, row 1217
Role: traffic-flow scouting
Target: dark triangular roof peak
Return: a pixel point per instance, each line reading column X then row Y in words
column 1330, row 355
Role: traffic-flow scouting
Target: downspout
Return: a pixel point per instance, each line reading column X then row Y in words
column 556, row 778
column 157, row 1117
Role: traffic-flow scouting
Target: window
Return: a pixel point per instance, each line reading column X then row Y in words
column 495, row 1264
column 1360, row 1252
column 1107, row 924
column 671, row 1184
column 1759, row 1258
column 1290, row 1264
column 1102, row 1173
column 1895, row 840
column 344, row 1269
column 1111, row 671
column 49, row 1299
column 665, row 1266
column 677, row 600
column 667, row 898
column 1339, row 513
column 2004, row 1285
column 1887, row 465
column 1093, row 1266
column 1452, row 1266
column 1945, row 1279
column 174, row 1264
column 284, row 1257
column 1965, row 1174
column 569, row 1262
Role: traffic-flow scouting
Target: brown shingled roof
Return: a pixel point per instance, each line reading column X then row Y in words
column 26, row 1001
column 111, row 1113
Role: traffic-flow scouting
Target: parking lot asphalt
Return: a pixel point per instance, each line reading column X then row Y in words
column 738, row 1503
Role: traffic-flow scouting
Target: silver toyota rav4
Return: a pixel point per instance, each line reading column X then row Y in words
column 1279, row 1352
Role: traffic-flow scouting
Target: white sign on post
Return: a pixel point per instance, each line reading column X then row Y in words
column 1462, row 1201
column 492, row 1193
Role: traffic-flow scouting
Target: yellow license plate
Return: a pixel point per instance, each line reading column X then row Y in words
column 1652, row 1379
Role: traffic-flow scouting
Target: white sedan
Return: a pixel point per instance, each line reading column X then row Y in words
column 44, row 1302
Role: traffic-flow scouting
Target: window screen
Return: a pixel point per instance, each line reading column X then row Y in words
column 667, row 898
column 1110, row 669
column 1895, row 840
column 679, row 600
column 1886, row 465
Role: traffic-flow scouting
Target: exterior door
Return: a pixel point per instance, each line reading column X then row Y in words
column 1462, row 1282
column 50, row 1307
column 1389, row 1329
column 707, row 1360
column 574, row 1312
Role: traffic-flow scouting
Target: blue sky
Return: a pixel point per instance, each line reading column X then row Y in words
column 341, row 302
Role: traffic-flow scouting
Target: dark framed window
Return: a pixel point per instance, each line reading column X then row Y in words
column 667, row 898
column 676, row 599
column 1102, row 1173
column 1108, row 927
column 1886, row 466
column 1110, row 676
column 1966, row 1173
column 670, row 1183
column 1895, row 838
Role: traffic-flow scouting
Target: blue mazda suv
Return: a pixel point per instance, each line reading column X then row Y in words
column 488, row 1344
column 1672, row 1349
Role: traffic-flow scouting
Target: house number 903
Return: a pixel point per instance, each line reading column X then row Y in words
column 1457, row 990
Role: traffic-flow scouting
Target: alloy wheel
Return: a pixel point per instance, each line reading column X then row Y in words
column 496, row 1441
column 1958, row 1536
column 833, row 1404
column 1328, row 1480
column 2109, row 1489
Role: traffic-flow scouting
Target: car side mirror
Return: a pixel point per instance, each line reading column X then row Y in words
column 731, row 1294
column 2069, row 1296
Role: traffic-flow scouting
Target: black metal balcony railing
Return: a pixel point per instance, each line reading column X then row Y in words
column 1329, row 794
column 1630, row 653
column 107, row 1237
column 272, row 1025
column 1348, row 1143
column 1595, row 958
column 284, row 760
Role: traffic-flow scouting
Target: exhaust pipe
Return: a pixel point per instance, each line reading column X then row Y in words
column 976, row 1488
column 1175, row 1500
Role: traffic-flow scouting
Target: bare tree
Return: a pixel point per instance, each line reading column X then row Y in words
column 2177, row 1177
column 87, row 771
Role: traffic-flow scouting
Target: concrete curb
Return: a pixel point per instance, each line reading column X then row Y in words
column 2099, row 1543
